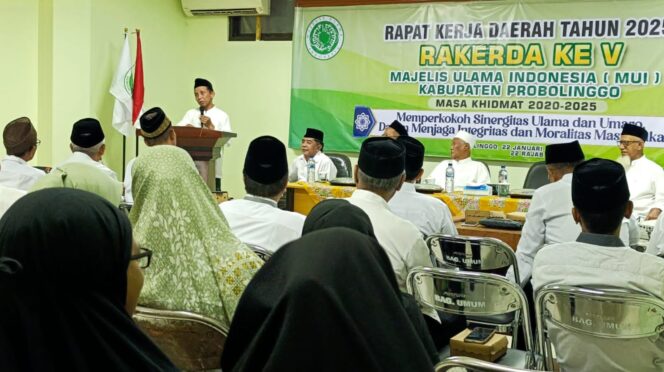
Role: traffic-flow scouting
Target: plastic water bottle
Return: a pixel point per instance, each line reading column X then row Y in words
column 311, row 171
column 449, row 178
column 502, row 175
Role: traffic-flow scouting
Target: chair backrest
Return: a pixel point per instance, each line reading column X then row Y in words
column 605, row 313
column 126, row 207
column 537, row 176
column 342, row 162
column 470, row 253
column 470, row 294
column 472, row 364
column 261, row 252
column 191, row 341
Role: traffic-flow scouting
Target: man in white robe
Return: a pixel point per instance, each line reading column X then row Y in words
column 379, row 173
column 644, row 177
column 87, row 145
column 20, row 140
column 255, row 219
column 312, row 148
column 466, row 170
column 599, row 259
column 208, row 116
column 549, row 218
column 430, row 215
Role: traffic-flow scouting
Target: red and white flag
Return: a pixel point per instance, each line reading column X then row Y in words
column 139, row 90
column 121, row 89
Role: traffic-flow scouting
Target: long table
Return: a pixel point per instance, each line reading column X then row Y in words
column 302, row 197
column 510, row 237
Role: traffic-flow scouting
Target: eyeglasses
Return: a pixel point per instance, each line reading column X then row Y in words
column 144, row 257
column 626, row 143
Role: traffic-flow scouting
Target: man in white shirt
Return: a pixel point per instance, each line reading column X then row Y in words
column 9, row 196
column 395, row 130
column 379, row 173
column 430, row 215
column 466, row 170
column 207, row 115
column 255, row 219
column 644, row 177
column 549, row 218
column 87, row 145
column 20, row 140
column 599, row 259
column 312, row 148
column 156, row 129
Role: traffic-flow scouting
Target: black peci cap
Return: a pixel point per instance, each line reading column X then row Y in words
column 382, row 157
column 86, row 133
column 266, row 160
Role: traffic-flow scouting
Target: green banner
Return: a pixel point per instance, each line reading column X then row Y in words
column 516, row 74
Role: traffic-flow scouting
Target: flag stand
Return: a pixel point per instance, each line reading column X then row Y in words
column 124, row 138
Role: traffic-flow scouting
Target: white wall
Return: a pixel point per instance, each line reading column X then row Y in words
column 61, row 56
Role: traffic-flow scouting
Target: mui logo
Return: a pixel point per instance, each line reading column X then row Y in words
column 324, row 37
column 364, row 121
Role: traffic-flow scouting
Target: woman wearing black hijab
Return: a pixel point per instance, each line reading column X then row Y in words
column 341, row 213
column 337, row 213
column 64, row 279
column 324, row 302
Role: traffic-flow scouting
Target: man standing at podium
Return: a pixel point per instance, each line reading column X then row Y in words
column 207, row 115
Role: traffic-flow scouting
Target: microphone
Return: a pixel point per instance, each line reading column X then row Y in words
column 202, row 109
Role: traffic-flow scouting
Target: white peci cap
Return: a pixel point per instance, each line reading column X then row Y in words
column 466, row 137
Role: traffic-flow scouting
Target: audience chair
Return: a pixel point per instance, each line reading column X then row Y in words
column 342, row 162
column 192, row 342
column 126, row 207
column 488, row 255
column 474, row 294
column 261, row 252
column 472, row 364
column 471, row 253
column 537, row 176
column 610, row 314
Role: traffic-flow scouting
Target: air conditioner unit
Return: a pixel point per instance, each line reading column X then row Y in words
column 226, row 7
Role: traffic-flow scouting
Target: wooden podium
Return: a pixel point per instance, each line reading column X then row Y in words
column 204, row 146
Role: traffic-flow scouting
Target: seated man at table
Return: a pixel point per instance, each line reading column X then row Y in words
column 156, row 129
column 599, row 259
column 549, row 218
column 87, row 145
column 430, row 215
column 312, row 148
column 395, row 130
column 379, row 173
column 255, row 219
column 644, row 177
column 466, row 170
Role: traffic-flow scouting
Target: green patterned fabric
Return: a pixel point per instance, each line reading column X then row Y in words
column 198, row 265
column 82, row 177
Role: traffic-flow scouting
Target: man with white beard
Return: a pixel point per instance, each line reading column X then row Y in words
column 644, row 177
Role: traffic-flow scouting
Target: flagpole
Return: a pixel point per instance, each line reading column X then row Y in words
column 124, row 138
column 139, row 55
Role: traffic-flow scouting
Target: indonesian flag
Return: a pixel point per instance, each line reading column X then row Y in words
column 138, row 81
column 121, row 89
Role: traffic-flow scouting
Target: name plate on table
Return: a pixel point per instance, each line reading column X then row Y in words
column 479, row 190
column 345, row 181
column 427, row 188
column 522, row 193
